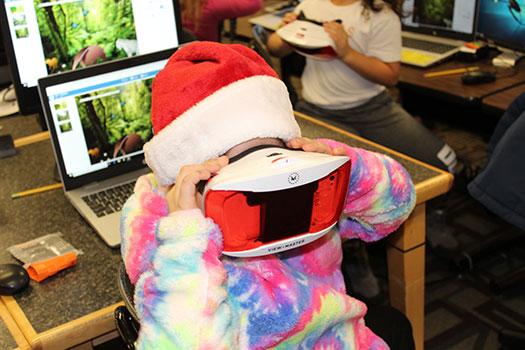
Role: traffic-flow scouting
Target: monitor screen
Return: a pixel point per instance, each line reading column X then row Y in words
column 503, row 22
column 454, row 19
column 44, row 37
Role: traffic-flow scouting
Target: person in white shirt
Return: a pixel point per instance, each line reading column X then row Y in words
column 350, row 91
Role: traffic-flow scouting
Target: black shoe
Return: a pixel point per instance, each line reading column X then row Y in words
column 464, row 175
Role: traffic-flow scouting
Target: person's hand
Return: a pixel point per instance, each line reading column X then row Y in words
column 183, row 194
column 339, row 36
column 288, row 18
column 309, row 145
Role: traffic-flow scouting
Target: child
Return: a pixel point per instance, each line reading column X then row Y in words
column 211, row 102
column 350, row 91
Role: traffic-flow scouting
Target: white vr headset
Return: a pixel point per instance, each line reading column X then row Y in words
column 308, row 38
column 271, row 199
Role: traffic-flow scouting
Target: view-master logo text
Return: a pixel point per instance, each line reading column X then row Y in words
column 286, row 246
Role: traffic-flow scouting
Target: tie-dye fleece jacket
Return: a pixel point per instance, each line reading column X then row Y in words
column 190, row 296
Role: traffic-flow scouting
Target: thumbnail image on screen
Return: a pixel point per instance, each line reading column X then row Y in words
column 80, row 33
column 116, row 121
column 438, row 13
column 503, row 22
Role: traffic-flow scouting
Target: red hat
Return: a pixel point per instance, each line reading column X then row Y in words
column 210, row 97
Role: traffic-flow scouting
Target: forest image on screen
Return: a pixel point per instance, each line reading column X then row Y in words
column 437, row 13
column 116, row 121
column 76, row 34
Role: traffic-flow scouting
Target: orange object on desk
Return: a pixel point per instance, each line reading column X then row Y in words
column 41, row 270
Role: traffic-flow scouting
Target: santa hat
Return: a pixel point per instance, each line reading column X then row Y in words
column 210, row 97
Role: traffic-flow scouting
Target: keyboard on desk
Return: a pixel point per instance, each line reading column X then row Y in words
column 429, row 46
column 109, row 200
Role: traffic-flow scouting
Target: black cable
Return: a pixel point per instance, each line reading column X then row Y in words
column 479, row 99
column 501, row 90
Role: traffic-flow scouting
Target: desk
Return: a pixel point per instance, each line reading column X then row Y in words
column 451, row 87
column 77, row 304
column 418, row 93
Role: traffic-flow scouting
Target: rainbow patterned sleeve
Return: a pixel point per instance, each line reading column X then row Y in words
column 174, row 262
column 381, row 195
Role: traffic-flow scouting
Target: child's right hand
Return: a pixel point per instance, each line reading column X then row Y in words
column 288, row 18
column 183, row 194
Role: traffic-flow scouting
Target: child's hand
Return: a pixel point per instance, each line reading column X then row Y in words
column 183, row 194
column 288, row 18
column 309, row 145
column 339, row 36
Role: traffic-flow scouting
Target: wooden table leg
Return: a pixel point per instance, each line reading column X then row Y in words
column 406, row 271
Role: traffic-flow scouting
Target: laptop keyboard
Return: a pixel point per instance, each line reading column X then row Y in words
column 424, row 45
column 109, row 200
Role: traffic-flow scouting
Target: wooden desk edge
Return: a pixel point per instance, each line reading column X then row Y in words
column 66, row 335
column 77, row 331
column 19, row 317
column 13, row 328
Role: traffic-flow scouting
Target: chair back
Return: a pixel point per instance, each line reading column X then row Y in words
column 259, row 44
column 126, row 318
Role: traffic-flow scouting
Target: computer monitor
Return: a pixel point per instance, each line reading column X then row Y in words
column 454, row 19
column 43, row 37
column 502, row 23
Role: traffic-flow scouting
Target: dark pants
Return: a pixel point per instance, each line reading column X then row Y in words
column 392, row 326
column 384, row 121
column 500, row 186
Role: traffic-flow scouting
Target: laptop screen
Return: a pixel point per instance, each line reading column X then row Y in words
column 454, row 19
column 99, row 117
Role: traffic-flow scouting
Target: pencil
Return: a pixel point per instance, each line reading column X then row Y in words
column 450, row 72
column 36, row 190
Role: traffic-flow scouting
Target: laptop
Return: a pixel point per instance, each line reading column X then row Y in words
column 98, row 119
column 433, row 32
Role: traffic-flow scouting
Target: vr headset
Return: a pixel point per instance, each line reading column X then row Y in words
column 270, row 199
column 308, row 38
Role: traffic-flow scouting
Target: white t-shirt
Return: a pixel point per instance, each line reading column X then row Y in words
column 332, row 84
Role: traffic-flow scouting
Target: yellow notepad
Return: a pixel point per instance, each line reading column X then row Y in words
column 415, row 57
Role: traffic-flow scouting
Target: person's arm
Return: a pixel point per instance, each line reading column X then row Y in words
column 277, row 46
column 381, row 194
column 173, row 258
column 371, row 68
column 226, row 9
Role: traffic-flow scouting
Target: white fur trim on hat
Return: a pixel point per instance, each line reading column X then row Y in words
column 253, row 107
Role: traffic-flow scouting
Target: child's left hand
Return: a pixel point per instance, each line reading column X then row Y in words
column 339, row 36
column 309, row 145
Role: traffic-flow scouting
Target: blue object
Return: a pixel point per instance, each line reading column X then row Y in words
column 13, row 278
